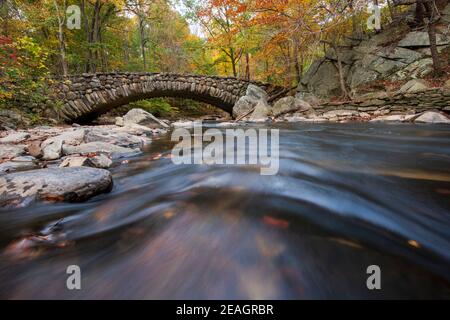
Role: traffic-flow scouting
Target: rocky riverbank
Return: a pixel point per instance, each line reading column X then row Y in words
column 413, row 102
column 69, row 163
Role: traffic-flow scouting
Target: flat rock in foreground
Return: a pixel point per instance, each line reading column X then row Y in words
column 55, row 184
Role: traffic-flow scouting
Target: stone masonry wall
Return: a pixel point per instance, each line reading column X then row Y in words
column 93, row 94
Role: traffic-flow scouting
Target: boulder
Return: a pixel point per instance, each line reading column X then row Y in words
column 445, row 14
column 99, row 161
column 432, row 117
column 290, row 104
column 52, row 147
column 135, row 129
column 421, row 39
column 243, row 106
column 76, row 161
column 394, row 118
column 15, row 137
column 34, row 149
column 309, row 98
column 416, row 70
column 8, row 151
column 100, row 147
column 414, row 85
column 324, row 81
column 18, row 164
column 339, row 113
column 119, row 138
column 261, row 112
column 248, row 102
column 142, row 117
column 55, row 184
column 119, row 121
column 256, row 92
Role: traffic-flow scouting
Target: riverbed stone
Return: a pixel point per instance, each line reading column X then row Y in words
column 256, row 92
column 122, row 139
column 339, row 113
column 15, row 137
column 100, row 147
column 8, row 151
column 244, row 106
column 101, row 161
column 142, row 117
column 18, row 164
column 290, row 104
column 261, row 112
column 52, row 147
column 432, row 117
column 76, row 161
column 54, row 184
column 394, row 118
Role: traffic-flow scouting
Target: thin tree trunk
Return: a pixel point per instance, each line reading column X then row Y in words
column 298, row 71
column 142, row 41
column 247, row 66
column 62, row 45
column 233, row 62
column 4, row 11
column 340, row 69
column 431, row 28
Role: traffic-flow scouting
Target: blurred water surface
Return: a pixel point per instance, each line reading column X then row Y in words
column 346, row 196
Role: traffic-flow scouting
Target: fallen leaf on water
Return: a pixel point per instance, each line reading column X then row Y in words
column 414, row 243
column 443, row 191
column 274, row 222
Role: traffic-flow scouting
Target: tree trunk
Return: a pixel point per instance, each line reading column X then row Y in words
column 233, row 62
column 4, row 13
column 247, row 66
column 340, row 69
column 142, row 40
column 298, row 71
column 61, row 41
column 433, row 16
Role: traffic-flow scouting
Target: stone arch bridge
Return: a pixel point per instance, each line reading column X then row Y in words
column 87, row 96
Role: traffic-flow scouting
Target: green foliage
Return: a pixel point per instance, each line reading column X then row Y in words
column 159, row 107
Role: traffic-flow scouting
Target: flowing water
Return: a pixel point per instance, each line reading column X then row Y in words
column 347, row 196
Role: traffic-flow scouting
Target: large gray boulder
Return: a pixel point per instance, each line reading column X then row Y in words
column 56, row 184
column 290, row 104
column 432, row 117
column 261, row 112
column 248, row 102
column 243, row 106
column 256, row 92
column 100, row 147
column 421, row 39
column 139, row 116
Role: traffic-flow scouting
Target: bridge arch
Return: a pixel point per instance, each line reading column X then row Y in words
column 87, row 96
